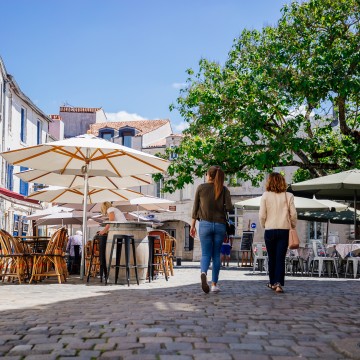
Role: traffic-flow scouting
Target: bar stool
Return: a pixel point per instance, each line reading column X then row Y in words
column 100, row 242
column 127, row 240
column 155, row 243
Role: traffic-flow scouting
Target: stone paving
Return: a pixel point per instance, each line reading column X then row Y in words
column 314, row 319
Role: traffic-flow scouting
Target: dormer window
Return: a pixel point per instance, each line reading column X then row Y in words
column 127, row 134
column 106, row 133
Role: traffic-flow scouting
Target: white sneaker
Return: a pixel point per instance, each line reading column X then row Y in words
column 215, row 289
column 204, row 283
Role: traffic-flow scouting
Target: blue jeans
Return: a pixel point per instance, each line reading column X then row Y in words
column 276, row 241
column 211, row 238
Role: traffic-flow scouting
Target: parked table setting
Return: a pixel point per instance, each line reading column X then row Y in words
column 344, row 249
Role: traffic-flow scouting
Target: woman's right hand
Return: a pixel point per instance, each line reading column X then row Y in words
column 193, row 231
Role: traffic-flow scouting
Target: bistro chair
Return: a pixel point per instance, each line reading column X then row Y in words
column 51, row 263
column 170, row 248
column 129, row 247
column 321, row 259
column 260, row 257
column 14, row 262
column 352, row 260
column 97, row 257
column 158, row 257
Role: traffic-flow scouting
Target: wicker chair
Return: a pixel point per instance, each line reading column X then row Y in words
column 51, row 263
column 14, row 260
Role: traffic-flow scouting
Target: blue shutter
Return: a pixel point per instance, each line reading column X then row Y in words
column 24, row 186
column 39, row 132
column 23, row 126
column 10, row 178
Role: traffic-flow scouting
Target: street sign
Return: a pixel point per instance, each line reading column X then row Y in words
column 253, row 225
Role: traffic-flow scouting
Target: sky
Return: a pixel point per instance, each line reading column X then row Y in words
column 128, row 57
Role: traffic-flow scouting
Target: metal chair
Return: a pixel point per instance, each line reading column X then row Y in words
column 321, row 259
column 260, row 257
column 354, row 260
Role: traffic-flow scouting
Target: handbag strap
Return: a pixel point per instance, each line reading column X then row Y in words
column 226, row 213
column 287, row 204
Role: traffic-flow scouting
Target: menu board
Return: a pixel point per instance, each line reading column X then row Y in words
column 247, row 240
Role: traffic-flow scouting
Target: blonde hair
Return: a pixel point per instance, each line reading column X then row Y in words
column 104, row 206
column 217, row 175
column 276, row 183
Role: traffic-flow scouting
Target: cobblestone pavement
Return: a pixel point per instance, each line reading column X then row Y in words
column 314, row 319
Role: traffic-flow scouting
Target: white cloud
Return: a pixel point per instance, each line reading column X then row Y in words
column 181, row 126
column 178, row 85
column 123, row 116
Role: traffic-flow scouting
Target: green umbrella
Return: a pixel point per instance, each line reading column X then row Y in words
column 341, row 186
column 340, row 217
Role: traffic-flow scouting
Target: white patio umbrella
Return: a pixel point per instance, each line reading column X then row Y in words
column 70, row 180
column 149, row 201
column 86, row 155
column 144, row 203
column 342, row 186
column 68, row 218
column 51, row 210
column 76, row 195
column 300, row 204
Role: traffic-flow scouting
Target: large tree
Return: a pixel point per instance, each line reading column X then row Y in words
column 288, row 95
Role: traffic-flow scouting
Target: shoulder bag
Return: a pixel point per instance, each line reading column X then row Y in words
column 294, row 241
column 230, row 227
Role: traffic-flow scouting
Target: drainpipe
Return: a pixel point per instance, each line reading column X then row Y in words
column 3, row 131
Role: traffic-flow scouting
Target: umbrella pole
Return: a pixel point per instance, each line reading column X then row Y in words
column 137, row 207
column 355, row 216
column 84, row 237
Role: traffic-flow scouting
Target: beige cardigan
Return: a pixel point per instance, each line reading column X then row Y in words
column 273, row 213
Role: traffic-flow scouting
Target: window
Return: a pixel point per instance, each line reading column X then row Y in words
column 127, row 140
column 189, row 240
column 106, row 134
column 23, row 126
column 9, row 177
column 24, row 186
column 126, row 134
column 173, row 154
column 39, row 130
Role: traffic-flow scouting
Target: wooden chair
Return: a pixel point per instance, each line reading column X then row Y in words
column 169, row 250
column 51, row 263
column 14, row 261
column 92, row 258
column 159, row 252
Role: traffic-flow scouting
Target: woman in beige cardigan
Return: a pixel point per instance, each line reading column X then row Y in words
column 275, row 206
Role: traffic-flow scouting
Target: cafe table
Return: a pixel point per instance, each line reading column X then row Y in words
column 34, row 244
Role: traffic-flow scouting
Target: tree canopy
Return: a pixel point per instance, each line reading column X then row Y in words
column 288, row 95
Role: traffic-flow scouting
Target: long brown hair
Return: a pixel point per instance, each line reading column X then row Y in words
column 217, row 176
column 276, row 183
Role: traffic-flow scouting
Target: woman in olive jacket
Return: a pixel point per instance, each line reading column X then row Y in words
column 211, row 200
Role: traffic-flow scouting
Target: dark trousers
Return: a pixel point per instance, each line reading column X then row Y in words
column 276, row 245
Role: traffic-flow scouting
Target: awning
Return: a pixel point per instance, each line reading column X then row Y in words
column 18, row 199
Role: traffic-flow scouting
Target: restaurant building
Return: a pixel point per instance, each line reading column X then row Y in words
column 22, row 124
